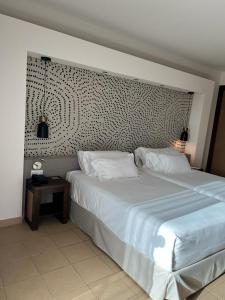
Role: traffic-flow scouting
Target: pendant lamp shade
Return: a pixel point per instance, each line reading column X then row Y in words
column 184, row 135
column 42, row 130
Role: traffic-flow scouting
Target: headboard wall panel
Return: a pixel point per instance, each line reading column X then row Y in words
column 96, row 111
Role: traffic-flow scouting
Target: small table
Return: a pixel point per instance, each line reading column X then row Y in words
column 59, row 206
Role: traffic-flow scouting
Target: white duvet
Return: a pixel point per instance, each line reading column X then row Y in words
column 201, row 182
column 170, row 224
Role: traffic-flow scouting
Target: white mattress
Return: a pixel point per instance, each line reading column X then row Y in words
column 201, row 182
column 170, row 224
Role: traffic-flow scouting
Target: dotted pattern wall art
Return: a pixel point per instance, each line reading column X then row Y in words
column 88, row 110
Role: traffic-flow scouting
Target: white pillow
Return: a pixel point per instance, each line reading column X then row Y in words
column 167, row 163
column 113, row 168
column 140, row 154
column 86, row 157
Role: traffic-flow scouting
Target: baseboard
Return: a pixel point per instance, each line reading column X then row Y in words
column 10, row 222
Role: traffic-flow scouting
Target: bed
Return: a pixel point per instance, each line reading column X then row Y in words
column 169, row 238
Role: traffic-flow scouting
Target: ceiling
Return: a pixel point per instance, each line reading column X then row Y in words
column 184, row 32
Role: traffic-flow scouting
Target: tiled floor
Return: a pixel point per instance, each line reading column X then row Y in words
column 60, row 262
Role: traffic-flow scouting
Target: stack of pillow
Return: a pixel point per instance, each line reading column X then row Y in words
column 118, row 164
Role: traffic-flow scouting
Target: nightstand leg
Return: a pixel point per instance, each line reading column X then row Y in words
column 66, row 204
column 35, row 211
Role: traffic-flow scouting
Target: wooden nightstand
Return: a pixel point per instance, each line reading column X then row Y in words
column 59, row 206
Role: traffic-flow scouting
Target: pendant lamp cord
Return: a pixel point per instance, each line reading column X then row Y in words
column 188, row 111
column 44, row 89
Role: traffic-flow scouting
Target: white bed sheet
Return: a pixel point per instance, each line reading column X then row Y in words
column 201, row 182
column 171, row 225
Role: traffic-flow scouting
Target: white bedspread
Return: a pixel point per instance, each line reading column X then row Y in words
column 173, row 226
column 201, row 182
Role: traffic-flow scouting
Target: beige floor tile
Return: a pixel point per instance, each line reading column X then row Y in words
column 65, row 238
column 78, row 252
column 31, row 289
column 132, row 284
column 218, row 290
column 140, row 296
column 83, row 236
column 17, row 270
column 38, row 244
column 107, row 260
column 216, row 282
column 86, row 296
column 49, row 260
column 96, row 250
column 92, row 269
column 119, row 276
column 12, row 251
column 111, row 288
column 212, row 288
column 83, row 293
column 63, row 281
column 2, row 294
column 203, row 295
column 13, row 234
column 52, row 225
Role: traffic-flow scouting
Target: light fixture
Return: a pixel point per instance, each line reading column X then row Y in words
column 42, row 130
column 180, row 144
column 184, row 135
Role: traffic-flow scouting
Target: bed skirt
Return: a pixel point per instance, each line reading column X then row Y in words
column 158, row 283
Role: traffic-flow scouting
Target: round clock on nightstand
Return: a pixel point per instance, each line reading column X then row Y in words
column 37, row 165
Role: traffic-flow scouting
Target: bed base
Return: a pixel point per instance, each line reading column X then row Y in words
column 158, row 283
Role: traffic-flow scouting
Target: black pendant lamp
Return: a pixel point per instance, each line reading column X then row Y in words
column 42, row 130
column 184, row 135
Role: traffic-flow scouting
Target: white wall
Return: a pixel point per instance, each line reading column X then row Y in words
column 88, row 29
column 18, row 38
column 222, row 78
